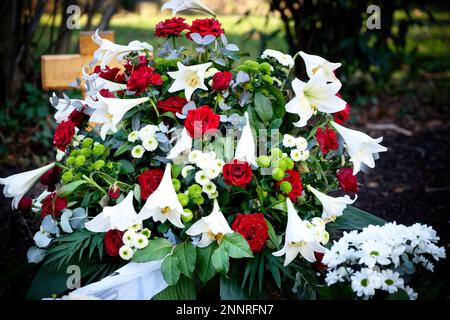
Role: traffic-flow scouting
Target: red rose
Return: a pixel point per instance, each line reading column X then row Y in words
column 296, row 182
column 106, row 93
column 112, row 242
column 149, row 180
column 172, row 104
column 327, row 139
column 25, row 205
column 51, row 178
column 221, row 80
column 318, row 264
column 142, row 78
column 78, row 117
column 143, row 62
column 107, row 73
column 237, row 173
column 201, row 120
column 114, row 192
column 170, row 27
column 64, row 134
column 343, row 115
column 347, row 181
column 253, row 227
column 204, row 27
column 53, row 205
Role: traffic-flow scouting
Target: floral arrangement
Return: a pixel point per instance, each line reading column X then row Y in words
column 186, row 162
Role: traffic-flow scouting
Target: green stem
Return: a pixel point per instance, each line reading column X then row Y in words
column 94, row 184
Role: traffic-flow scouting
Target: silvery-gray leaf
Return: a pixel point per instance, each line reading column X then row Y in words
column 243, row 121
column 242, row 77
column 220, row 61
column 163, row 127
column 93, row 62
column 73, row 84
column 226, row 94
column 120, row 198
column 234, row 119
column 66, row 98
column 54, row 100
column 161, row 137
column 35, row 254
column 197, row 38
column 223, row 106
column 232, row 47
column 137, row 192
column 245, row 98
column 49, row 225
column 180, row 116
column 88, row 110
column 64, row 222
column 161, row 159
column 79, row 218
column 78, row 105
column 208, row 39
column 165, row 146
column 223, row 118
column 135, row 123
column 188, row 106
column 224, row 39
column 130, row 93
column 200, row 50
column 169, row 235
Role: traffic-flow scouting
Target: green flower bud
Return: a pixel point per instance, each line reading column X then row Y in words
column 265, row 68
column 184, row 199
column 99, row 164
column 277, row 174
column 164, row 78
column 75, row 153
column 87, row 142
column 146, row 232
column 286, row 186
column 85, row 152
column 80, row 160
column 70, row 160
column 281, row 197
column 276, row 153
column 243, row 68
column 98, row 149
column 67, row 176
column 253, row 66
column 194, row 191
column 176, row 184
column 199, row 200
column 289, row 163
column 282, row 164
column 263, row 161
column 267, row 79
column 187, row 216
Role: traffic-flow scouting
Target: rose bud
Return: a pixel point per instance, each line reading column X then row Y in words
column 25, row 205
column 114, row 192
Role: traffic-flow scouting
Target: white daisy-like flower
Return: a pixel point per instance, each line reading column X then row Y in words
column 296, row 155
column 219, row 163
column 194, row 156
column 301, row 143
column 148, row 131
column 305, row 155
column 209, row 188
column 373, row 252
column 411, row 293
column 137, row 152
column 282, row 58
column 213, row 196
column 128, row 238
column 204, row 160
column 212, row 172
column 201, row 178
column 365, row 282
column 150, row 144
column 133, row 136
column 126, row 253
column 140, row 241
column 288, row 141
column 135, row 227
column 335, row 276
column 391, row 281
column 185, row 170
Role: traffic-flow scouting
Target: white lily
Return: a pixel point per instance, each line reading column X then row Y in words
column 299, row 239
column 108, row 50
column 211, row 228
column 181, row 5
column 332, row 207
column 183, row 144
column 18, row 184
column 246, row 147
column 163, row 203
column 315, row 63
column 315, row 95
column 63, row 108
column 189, row 78
column 360, row 146
column 120, row 217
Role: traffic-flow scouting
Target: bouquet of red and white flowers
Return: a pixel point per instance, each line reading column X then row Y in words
column 186, row 162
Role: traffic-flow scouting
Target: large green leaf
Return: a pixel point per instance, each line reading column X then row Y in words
column 220, row 260
column 186, row 255
column 170, row 270
column 183, row 290
column 263, row 107
column 205, row 266
column 354, row 218
column 236, row 246
column 156, row 250
column 67, row 189
column 231, row 286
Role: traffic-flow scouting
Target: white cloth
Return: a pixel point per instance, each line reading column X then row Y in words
column 134, row 281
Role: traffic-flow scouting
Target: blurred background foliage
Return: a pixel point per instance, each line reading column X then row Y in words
column 412, row 45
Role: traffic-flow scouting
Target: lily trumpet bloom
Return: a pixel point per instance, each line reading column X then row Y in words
column 211, row 228
column 299, row 239
column 184, row 143
column 181, row 5
column 189, row 78
column 18, row 184
column 120, row 217
column 108, row 50
column 332, row 207
column 315, row 63
column 315, row 95
column 246, row 147
column 360, row 146
column 163, row 203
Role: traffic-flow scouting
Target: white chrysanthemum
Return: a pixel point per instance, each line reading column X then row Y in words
column 212, row 172
column 365, row 282
column 204, row 160
column 126, row 253
column 209, row 188
column 374, row 252
column 148, row 131
column 288, row 141
column 194, row 155
column 338, row 275
column 136, row 227
column 219, row 163
column 391, row 281
column 185, row 171
column 140, row 241
column 411, row 293
column 137, row 152
column 201, row 178
column 150, row 144
column 213, row 196
column 133, row 136
column 305, row 155
column 301, row 143
column 282, row 58
column 128, row 238
column 296, row 155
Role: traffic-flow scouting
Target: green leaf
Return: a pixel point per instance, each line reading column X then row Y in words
column 69, row 188
column 336, row 291
column 272, row 234
column 399, row 295
column 126, row 146
column 126, row 167
column 205, row 266
column 170, row 271
column 354, row 218
column 186, row 255
column 231, row 286
column 263, row 107
column 221, row 260
column 236, row 246
column 183, row 290
column 156, row 250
